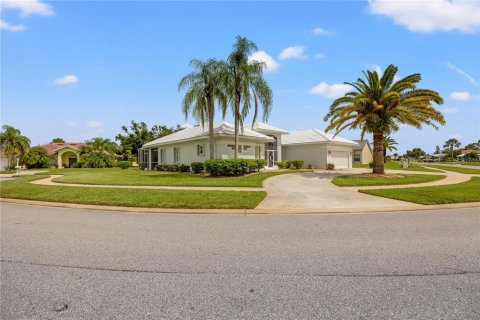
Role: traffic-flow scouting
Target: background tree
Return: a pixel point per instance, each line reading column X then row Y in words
column 245, row 85
column 388, row 144
column 138, row 134
column 378, row 105
column 473, row 146
column 452, row 144
column 98, row 153
column 15, row 145
column 437, row 150
column 37, row 157
column 203, row 87
column 415, row 153
column 58, row 140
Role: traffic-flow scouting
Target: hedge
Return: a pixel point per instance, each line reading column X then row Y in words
column 233, row 167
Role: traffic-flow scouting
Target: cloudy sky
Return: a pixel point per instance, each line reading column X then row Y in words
column 82, row 69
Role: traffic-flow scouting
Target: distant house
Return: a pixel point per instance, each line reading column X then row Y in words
column 464, row 154
column 363, row 153
column 4, row 165
column 262, row 141
column 63, row 154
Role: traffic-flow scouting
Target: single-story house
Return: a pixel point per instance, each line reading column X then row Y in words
column 4, row 165
column 465, row 154
column 362, row 154
column 63, row 154
column 262, row 141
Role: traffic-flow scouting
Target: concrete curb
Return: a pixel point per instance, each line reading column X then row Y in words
column 413, row 207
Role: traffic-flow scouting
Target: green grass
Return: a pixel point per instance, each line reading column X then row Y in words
column 475, row 163
column 131, row 177
column 398, row 166
column 358, row 180
column 457, row 169
column 455, row 193
column 20, row 188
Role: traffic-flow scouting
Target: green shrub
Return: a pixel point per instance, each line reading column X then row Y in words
column 281, row 165
column 231, row 167
column 197, row 167
column 142, row 166
column 330, row 166
column 37, row 158
column 297, row 164
column 370, row 165
column 124, row 164
column 288, row 164
column 172, row 167
column 260, row 163
column 183, row 168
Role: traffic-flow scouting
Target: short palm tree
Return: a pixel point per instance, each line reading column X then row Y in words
column 244, row 84
column 378, row 105
column 204, row 87
column 389, row 144
column 15, row 145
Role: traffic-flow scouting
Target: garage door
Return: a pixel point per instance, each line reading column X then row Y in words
column 340, row 159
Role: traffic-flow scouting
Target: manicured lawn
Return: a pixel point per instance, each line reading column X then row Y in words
column 470, row 163
column 455, row 193
column 398, row 166
column 457, row 169
column 20, row 188
column 362, row 180
column 132, row 177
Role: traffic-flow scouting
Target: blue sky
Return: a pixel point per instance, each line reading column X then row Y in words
column 82, row 69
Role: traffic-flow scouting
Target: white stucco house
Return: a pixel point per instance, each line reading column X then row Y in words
column 262, row 141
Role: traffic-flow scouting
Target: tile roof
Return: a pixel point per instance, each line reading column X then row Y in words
column 260, row 126
column 53, row 147
column 361, row 144
column 223, row 128
column 313, row 136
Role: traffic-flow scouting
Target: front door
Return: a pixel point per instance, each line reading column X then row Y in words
column 270, row 157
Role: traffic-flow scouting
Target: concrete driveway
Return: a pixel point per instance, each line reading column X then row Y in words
column 316, row 191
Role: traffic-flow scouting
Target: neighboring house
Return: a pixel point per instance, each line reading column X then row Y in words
column 363, row 153
column 464, row 153
column 263, row 141
column 63, row 154
column 4, row 165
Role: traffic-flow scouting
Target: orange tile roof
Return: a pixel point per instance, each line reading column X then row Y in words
column 53, row 147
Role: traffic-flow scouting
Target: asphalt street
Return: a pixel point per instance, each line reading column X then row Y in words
column 83, row 264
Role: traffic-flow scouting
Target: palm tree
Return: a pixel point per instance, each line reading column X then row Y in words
column 14, row 144
column 388, row 144
column 378, row 105
column 245, row 84
column 451, row 144
column 203, row 88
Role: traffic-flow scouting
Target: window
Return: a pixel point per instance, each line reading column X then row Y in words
column 245, row 147
column 162, row 155
column 356, row 157
column 176, row 155
column 258, row 150
column 200, row 149
column 239, row 148
column 231, row 146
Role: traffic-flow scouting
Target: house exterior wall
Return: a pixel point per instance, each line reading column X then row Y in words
column 3, row 162
column 314, row 155
column 365, row 155
column 188, row 151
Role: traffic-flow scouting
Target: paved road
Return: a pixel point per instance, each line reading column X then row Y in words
column 110, row 265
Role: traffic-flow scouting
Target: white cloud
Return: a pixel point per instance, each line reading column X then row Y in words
column 460, row 95
column 462, row 73
column 450, row 110
column 430, row 16
column 377, row 68
column 321, row 32
column 94, row 124
column 319, row 55
column 28, row 7
column 296, row 52
column 331, row 91
column 68, row 79
column 270, row 64
column 4, row 25
column 71, row 123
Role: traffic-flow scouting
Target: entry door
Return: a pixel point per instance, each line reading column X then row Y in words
column 270, row 157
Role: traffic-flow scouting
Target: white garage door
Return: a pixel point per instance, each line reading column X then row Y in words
column 340, row 159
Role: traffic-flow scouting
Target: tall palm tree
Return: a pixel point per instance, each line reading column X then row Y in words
column 14, row 144
column 452, row 144
column 204, row 87
column 378, row 105
column 245, row 84
column 388, row 144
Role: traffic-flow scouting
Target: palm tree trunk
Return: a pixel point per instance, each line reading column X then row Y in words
column 384, row 154
column 211, row 140
column 237, row 121
column 378, row 164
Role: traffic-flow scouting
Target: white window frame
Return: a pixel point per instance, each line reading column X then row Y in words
column 240, row 148
column 176, row 155
column 200, row 147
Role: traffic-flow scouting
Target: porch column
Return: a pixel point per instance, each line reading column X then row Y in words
column 59, row 160
column 149, row 158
